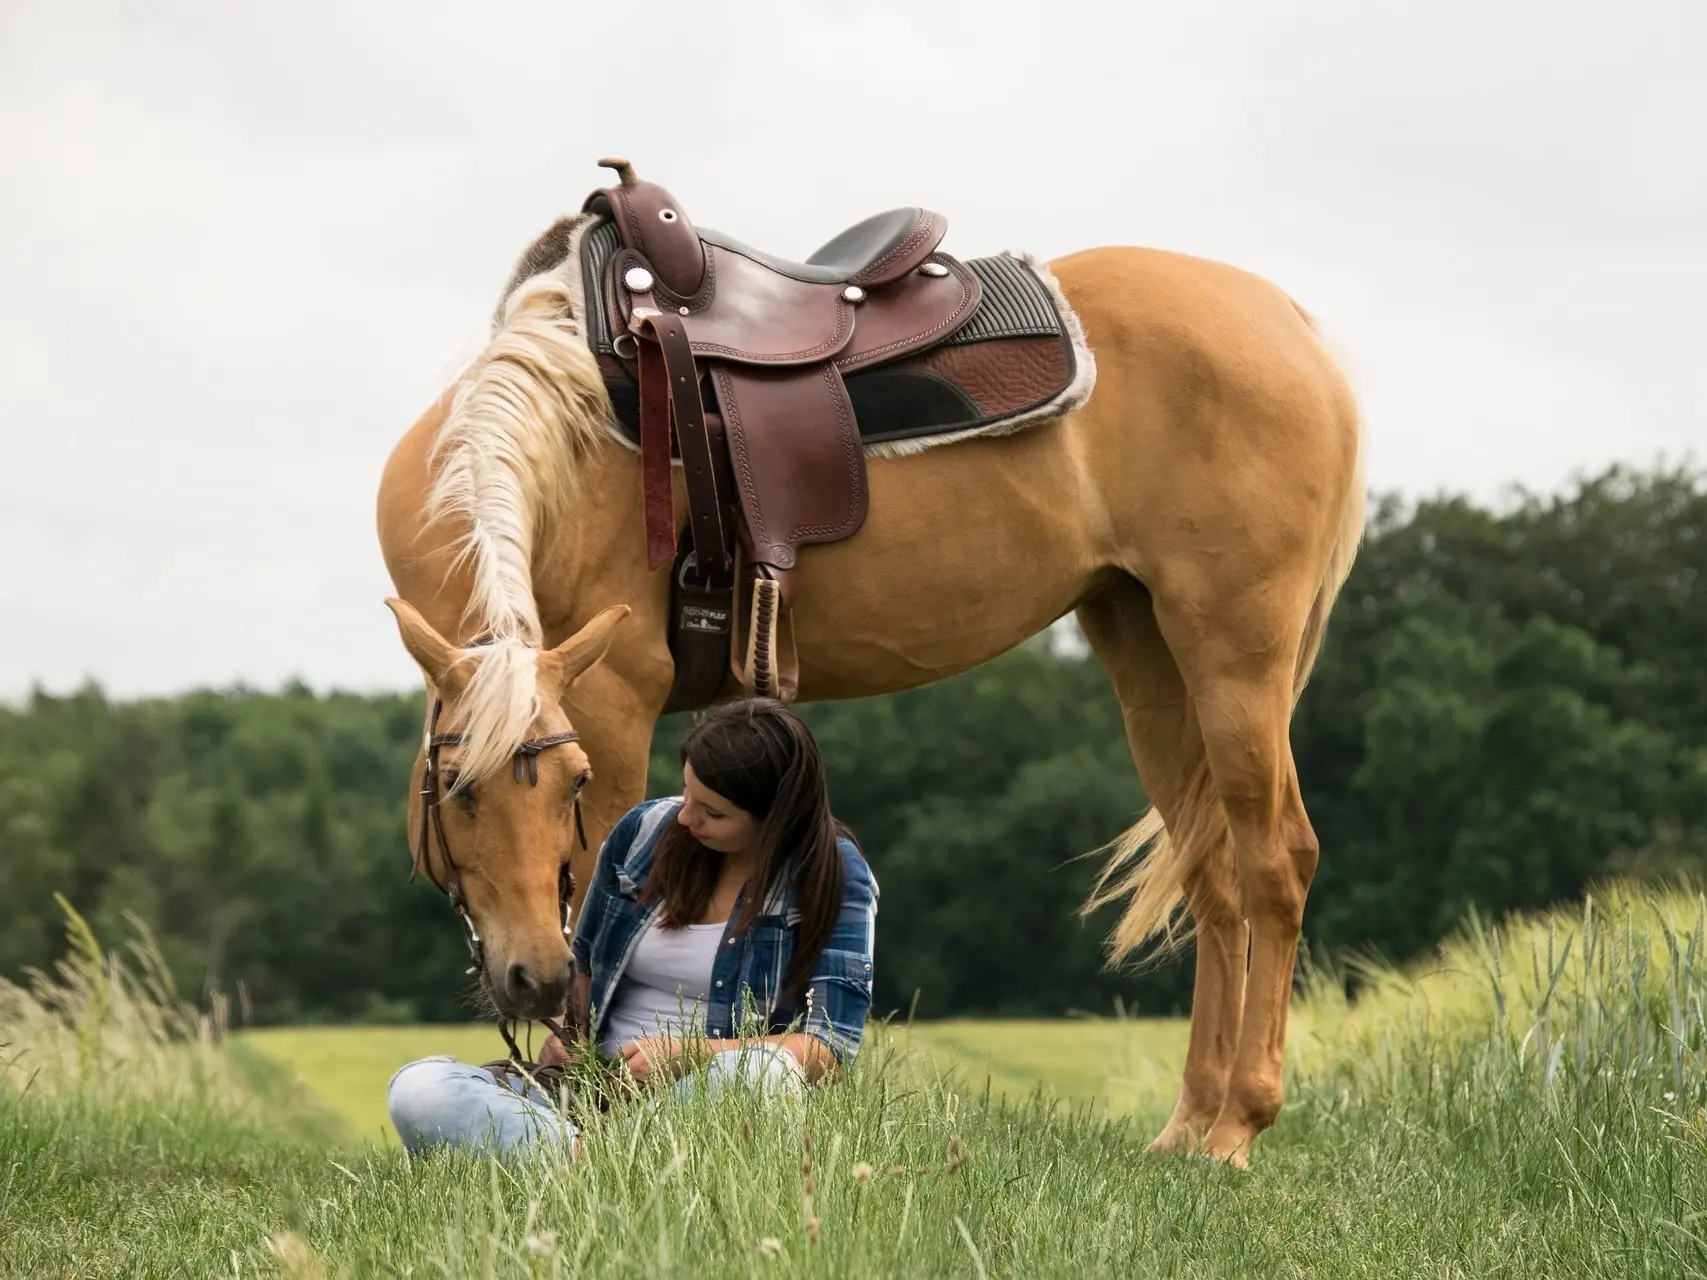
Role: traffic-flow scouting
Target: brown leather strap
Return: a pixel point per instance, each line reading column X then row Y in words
column 702, row 608
column 705, row 512
column 527, row 761
column 657, row 496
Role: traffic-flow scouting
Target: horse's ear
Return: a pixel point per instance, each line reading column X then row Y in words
column 568, row 661
column 437, row 657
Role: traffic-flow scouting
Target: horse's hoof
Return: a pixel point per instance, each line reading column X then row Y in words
column 1178, row 1138
column 1229, row 1148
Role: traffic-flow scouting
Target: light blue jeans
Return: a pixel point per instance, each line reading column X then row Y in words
column 439, row 1100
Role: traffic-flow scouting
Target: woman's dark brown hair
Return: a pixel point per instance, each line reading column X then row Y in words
column 759, row 756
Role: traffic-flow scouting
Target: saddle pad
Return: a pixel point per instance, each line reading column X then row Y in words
column 1016, row 304
column 1011, row 357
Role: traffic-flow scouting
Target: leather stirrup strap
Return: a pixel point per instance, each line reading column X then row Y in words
column 656, row 495
column 681, row 380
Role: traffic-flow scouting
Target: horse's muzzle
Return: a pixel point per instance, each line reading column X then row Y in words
column 532, row 992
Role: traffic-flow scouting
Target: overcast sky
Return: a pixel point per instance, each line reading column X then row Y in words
column 240, row 251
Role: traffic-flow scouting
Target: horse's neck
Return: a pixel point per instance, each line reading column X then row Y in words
column 592, row 553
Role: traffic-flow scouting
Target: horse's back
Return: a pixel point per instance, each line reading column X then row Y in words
column 1195, row 308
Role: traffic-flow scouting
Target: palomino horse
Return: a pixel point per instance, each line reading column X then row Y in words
column 1198, row 512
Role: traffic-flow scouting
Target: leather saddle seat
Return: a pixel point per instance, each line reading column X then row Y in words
column 849, row 258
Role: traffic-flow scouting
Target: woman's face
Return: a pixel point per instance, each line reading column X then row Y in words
column 713, row 821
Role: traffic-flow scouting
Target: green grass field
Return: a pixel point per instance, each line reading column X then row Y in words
column 1531, row 1106
column 1120, row 1066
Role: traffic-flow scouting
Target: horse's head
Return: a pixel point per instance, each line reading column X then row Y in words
column 494, row 809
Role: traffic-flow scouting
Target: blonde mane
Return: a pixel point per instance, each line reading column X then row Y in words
column 523, row 414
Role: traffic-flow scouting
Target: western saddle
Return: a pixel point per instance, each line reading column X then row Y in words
column 740, row 359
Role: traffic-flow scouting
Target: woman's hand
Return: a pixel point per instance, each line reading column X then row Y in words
column 552, row 1052
column 663, row 1056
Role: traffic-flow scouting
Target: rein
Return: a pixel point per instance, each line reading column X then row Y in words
column 526, row 765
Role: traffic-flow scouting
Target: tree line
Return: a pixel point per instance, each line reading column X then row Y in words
column 1508, row 707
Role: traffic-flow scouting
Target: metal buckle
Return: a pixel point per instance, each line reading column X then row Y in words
column 690, row 567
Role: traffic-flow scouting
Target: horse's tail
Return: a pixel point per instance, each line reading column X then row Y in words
column 1151, row 863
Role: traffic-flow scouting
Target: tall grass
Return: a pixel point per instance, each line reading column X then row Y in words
column 114, row 1024
column 1530, row 1104
column 1559, row 1002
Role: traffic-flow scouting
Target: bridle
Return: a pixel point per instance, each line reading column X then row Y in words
column 526, row 761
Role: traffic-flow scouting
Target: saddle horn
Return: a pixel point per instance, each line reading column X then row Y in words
column 624, row 170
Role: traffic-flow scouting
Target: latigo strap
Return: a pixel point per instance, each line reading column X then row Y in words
column 669, row 394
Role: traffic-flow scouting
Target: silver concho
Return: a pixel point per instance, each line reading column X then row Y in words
column 933, row 269
column 853, row 293
column 638, row 279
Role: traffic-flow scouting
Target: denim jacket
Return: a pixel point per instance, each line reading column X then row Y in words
column 748, row 970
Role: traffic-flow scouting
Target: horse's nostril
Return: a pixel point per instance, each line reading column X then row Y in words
column 523, row 987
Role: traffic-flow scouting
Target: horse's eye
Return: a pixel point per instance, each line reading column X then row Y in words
column 574, row 796
column 464, row 798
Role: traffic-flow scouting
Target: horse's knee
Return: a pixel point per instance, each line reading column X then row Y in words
column 1271, row 886
column 1277, row 862
column 1300, row 841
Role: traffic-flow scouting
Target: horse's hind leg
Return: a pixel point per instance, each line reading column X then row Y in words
column 1238, row 654
column 1167, row 746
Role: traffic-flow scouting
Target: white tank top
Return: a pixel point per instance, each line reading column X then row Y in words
column 664, row 989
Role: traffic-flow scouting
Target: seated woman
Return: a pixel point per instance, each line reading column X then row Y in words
column 742, row 889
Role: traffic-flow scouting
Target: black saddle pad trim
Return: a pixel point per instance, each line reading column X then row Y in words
column 1014, row 304
column 598, row 246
